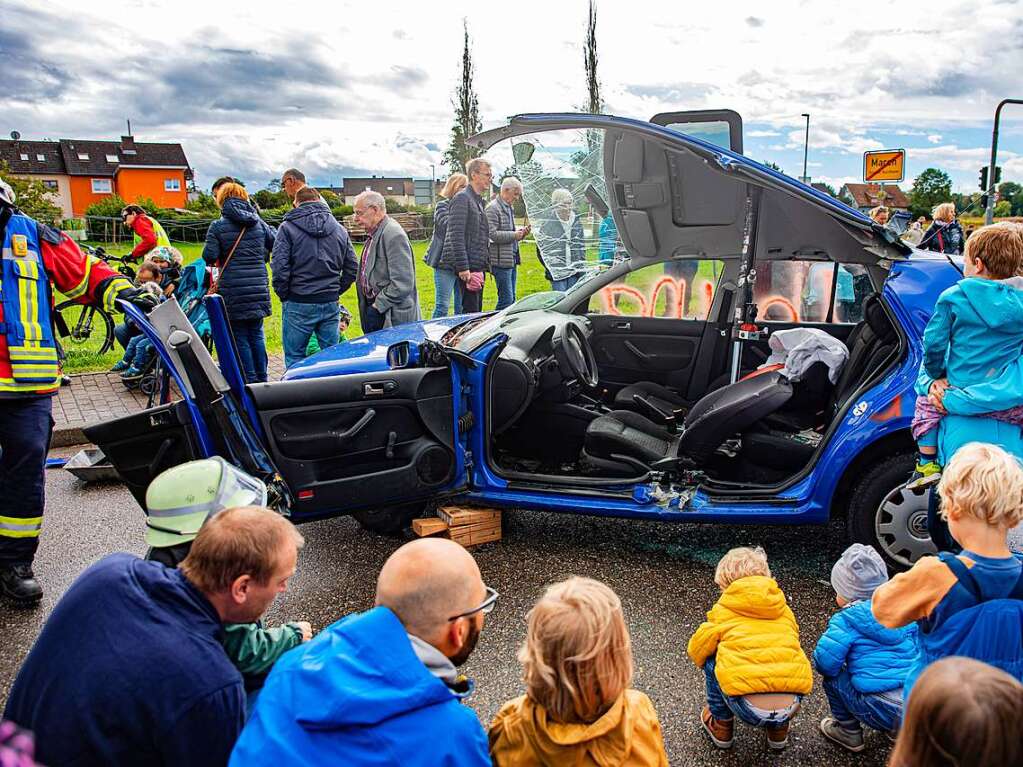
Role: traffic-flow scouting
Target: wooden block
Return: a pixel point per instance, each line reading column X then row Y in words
column 462, row 515
column 467, row 536
column 479, row 527
column 429, row 526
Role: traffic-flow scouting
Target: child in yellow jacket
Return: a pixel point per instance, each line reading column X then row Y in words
column 749, row 651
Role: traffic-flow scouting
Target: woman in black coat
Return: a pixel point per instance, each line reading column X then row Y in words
column 243, row 280
column 945, row 235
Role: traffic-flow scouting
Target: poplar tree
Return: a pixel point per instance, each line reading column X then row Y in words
column 467, row 118
column 594, row 104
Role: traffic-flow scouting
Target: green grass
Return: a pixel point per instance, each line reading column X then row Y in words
column 84, row 358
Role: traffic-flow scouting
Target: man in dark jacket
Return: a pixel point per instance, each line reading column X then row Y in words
column 382, row 687
column 313, row 263
column 467, row 242
column 129, row 668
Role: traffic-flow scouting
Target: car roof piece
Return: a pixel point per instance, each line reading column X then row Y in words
column 697, row 211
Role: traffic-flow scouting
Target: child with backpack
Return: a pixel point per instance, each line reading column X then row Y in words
column 971, row 604
column 749, row 651
column 863, row 664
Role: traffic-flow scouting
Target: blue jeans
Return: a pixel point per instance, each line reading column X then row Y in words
column 25, row 429
column 879, row 711
column 138, row 351
column 124, row 332
column 564, row 283
column 726, row 706
column 445, row 284
column 299, row 322
column 248, row 337
column 506, row 280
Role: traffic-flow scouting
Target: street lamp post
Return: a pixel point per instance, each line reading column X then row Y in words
column 806, row 146
column 989, row 211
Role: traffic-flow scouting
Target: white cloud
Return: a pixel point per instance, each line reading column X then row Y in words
column 762, row 133
column 934, row 138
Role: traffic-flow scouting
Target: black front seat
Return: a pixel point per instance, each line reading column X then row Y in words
column 625, row 437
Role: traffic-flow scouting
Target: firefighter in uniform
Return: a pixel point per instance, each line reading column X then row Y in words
column 149, row 234
column 36, row 258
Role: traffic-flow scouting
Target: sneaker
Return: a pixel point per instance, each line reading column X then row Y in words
column 850, row 740
column 778, row 737
column 925, row 475
column 65, row 380
column 121, row 365
column 720, row 731
column 18, row 583
column 131, row 374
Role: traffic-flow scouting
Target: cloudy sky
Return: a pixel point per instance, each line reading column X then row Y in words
column 343, row 88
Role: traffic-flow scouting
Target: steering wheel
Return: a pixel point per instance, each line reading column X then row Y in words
column 579, row 355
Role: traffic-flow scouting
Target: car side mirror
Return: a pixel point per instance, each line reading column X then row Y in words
column 403, row 354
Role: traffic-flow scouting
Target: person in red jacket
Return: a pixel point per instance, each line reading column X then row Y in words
column 149, row 234
column 36, row 259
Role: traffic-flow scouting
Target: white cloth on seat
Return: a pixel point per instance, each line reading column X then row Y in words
column 799, row 348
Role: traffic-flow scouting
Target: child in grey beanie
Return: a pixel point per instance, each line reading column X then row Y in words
column 863, row 664
column 857, row 573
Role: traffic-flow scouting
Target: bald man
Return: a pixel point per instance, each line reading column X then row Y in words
column 382, row 687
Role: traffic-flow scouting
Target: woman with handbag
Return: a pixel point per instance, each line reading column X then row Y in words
column 445, row 281
column 239, row 244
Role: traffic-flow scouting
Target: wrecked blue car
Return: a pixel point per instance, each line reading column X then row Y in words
column 650, row 389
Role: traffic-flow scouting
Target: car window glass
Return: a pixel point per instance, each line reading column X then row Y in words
column 803, row 291
column 677, row 289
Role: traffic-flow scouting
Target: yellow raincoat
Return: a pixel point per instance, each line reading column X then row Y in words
column 754, row 635
column 627, row 734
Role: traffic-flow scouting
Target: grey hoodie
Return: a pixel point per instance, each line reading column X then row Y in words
column 313, row 261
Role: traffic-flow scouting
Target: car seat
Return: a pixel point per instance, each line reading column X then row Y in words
column 625, row 437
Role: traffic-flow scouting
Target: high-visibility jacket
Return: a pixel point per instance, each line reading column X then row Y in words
column 36, row 259
column 148, row 234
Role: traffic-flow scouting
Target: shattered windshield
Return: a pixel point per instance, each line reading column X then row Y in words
column 565, row 202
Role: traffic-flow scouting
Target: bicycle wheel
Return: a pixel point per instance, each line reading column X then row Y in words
column 91, row 329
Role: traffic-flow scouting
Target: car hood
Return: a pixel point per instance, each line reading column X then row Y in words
column 369, row 352
column 671, row 194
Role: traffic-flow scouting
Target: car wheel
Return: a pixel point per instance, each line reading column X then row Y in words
column 887, row 516
column 388, row 520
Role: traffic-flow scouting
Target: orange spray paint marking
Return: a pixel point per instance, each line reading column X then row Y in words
column 766, row 303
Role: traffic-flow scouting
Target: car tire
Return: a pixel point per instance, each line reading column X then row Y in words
column 883, row 514
column 388, row 520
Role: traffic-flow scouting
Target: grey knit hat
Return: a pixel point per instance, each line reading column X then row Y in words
column 858, row 572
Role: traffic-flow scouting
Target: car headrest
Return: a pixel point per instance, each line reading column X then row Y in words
column 877, row 318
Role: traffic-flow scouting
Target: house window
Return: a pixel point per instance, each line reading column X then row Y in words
column 83, row 155
column 101, row 186
column 24, row 157
column 41, row 157
column 50, row 184
column 112, row 158
column 172, row 185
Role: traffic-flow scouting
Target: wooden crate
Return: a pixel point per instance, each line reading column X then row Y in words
column 465, row 525
column 456, row 516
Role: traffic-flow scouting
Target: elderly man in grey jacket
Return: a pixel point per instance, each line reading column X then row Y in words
column 386, row 280
column 504, row 240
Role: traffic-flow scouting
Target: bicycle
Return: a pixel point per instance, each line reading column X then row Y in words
column 84, row 325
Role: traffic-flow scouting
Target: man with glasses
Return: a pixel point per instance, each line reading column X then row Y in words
column 467, row 241
column 292, row 180
column 382, row 687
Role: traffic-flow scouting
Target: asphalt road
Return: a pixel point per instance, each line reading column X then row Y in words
column 663, row 573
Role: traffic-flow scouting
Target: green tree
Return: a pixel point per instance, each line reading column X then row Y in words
column 930, row 188
column 330, row 198
column 594, row 103
column 1003, row 209
column 827, row 188
column 269, row 199
column 34, row 199
column 204, row 204
column 467, row 113
column 108, row 207
column 1013, row 192
column 772, row 165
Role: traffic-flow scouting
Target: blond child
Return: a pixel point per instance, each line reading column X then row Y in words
column 578, row 708
column 971, row 604
column 749, row 651
column 962, row 712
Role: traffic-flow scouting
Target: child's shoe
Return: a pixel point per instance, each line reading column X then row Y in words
column 850, row 740
column 131, row 374
column 778, row 737
column 720, row 731
column 925, row 475
column 121, row 365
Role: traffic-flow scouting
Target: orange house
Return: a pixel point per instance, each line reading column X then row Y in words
column 99, row 169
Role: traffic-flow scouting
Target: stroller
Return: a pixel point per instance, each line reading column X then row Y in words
column 195, row 282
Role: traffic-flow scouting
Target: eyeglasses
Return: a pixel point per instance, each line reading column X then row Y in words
column 486, row 606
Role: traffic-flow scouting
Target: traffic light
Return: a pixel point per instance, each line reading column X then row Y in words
column 983, row 179
column 998, row 174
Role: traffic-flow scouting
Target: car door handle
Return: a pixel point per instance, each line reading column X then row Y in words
column 621, row 325
column 356, row 427
column 639, row 353
column 378, row 388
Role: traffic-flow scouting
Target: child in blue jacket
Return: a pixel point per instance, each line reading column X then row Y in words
column 863, row 663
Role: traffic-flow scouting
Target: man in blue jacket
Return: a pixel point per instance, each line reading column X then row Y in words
column 129, row 668
column 382, row 687
column 313, row 264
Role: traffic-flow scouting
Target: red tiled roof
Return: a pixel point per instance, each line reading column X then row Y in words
column 869, row 195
